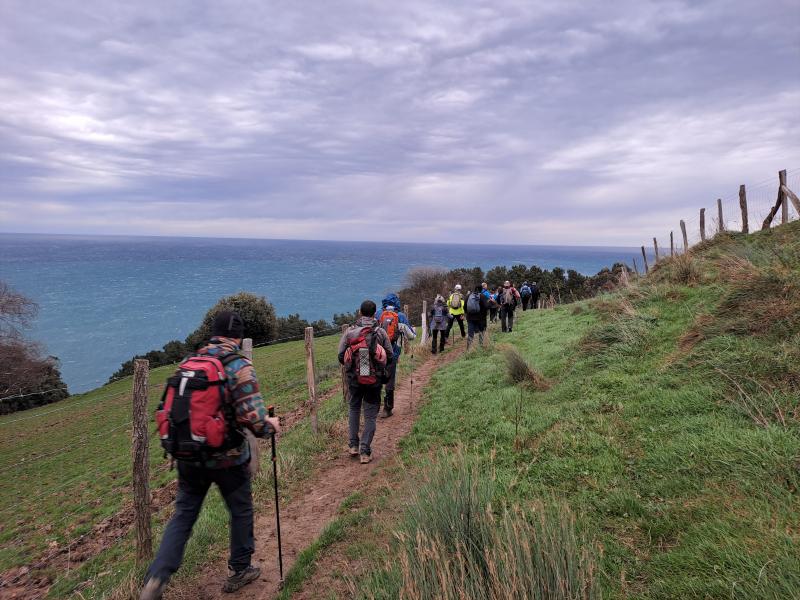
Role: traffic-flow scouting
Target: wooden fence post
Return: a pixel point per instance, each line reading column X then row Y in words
column 141, row 463
column 685, row 237
column 784, row 204
column 345, row 387
column 311, row 378
column 791, row 197
column 743, row 206
column 671, row 244
column 247, row 348
column 424, row 337
column 644, row 256
column 702, row 224
column 721, row 224
column 635, row 266
column 655, row 246
column 623, row 277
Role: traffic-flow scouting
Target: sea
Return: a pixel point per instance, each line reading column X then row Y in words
column 103, row 299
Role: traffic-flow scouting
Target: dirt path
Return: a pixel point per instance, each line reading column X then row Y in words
column 303, row 519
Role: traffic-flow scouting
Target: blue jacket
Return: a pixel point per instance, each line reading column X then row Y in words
column 393, row 300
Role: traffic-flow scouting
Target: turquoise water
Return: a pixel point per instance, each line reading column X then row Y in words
column 104, row 299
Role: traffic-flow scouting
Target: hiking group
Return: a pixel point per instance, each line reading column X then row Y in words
column 212, row 410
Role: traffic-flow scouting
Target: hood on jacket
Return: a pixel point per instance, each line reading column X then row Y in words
column 391, row 300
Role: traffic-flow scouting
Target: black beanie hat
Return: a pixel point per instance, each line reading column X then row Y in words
column 228, row 324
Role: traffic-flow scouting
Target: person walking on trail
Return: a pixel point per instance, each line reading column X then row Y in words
column 525, row 294
column 494, row 304
column 477, row 307
column 455, row 306
column 509, row 298
column 214, row 393
column 366, row 352
column 398, row 327
column 438, row 318
column 535, row 295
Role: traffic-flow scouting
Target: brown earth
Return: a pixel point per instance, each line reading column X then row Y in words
column 304, row 518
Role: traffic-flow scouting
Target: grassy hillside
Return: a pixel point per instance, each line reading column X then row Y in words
column 67, row 466
column 668, row 421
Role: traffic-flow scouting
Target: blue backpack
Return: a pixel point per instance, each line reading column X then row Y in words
column 525, row 291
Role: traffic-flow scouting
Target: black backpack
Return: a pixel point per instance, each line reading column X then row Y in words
column 474, row 304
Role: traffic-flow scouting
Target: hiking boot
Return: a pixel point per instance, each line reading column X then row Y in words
column 353, row 450
column 153, row 590
column 241, row 579
column 385, row 414
column 365, row 458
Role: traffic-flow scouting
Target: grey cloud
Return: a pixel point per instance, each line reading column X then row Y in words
column 308, row 118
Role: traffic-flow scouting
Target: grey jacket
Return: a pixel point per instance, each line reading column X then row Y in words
column 355, row 330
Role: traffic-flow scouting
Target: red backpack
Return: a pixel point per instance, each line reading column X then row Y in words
column 193, row 417
column 390, row 322
column 366, row 357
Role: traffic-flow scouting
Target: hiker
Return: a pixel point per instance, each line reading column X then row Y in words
column 494, row 304
column 509, row 298
column 366, row 352
column 223, row 461
column 455, row 308
column 477, row 307
column 398, row 327
column 525, row 294
column 535, row 295
column 438, row 318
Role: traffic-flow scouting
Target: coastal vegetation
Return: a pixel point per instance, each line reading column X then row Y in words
column 28, row 378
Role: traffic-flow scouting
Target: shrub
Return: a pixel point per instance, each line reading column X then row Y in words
column 258, row 315
column 520, row 372
column 452, row 546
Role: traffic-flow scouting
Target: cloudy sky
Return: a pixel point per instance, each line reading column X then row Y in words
column 548, row 121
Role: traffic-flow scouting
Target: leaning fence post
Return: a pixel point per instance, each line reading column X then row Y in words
column 247, row 348
column 743, row 206
column 671, row 244
column 655, row 245
column 702, row 224
column 141, row 462
column 785, row 203
column 424, row 337
column 635, row 266
column 345, row 387
column 721, row 224
column 685, row 237
column 311, row 378
column 644, row 256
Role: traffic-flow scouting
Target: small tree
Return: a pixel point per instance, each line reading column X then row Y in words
column 260, row 322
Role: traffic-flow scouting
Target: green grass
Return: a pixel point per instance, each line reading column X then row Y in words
column 67, row 466
column 682, row 491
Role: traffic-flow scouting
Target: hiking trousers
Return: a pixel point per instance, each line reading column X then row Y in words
column 193, row 485
column 525, row 302
column 474, row 327
column 460, row 319
column 442, row 339
column 506, row 318
column 367, row 398
column 391, row 371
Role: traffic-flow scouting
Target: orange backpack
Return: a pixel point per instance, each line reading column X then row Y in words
column 390, row 322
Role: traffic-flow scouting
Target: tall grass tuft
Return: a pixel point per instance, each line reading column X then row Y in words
column 520, row 372
column 453, row 547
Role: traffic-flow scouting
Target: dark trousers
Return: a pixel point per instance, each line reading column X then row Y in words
column 506, row 318
column 193, row 484
column 492, row 315
column 525, row 302
column 388, row 402
column 534, row 301
column 442, row 334
column 368, row 398
column 474, row 327
column 460, row 319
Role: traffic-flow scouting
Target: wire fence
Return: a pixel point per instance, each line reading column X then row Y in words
column 759, row 200
column 67, row 470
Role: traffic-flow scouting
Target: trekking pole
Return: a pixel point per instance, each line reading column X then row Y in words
column 271, row 413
